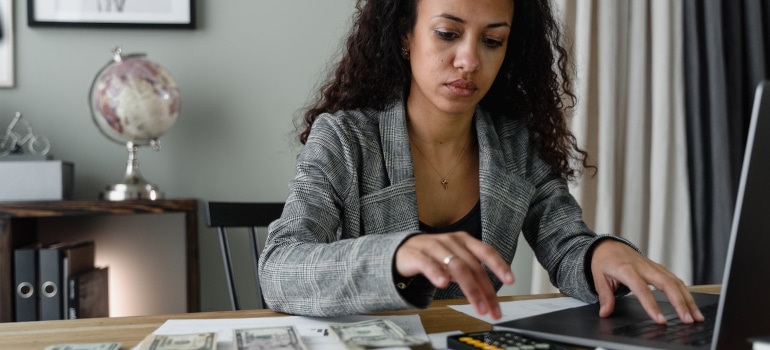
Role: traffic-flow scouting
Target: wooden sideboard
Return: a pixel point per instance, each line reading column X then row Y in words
column 18, row 227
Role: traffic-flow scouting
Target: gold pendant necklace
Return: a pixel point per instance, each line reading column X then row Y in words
column 444, row 179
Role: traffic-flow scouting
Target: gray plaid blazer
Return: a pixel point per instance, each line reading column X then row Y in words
column 352, row 203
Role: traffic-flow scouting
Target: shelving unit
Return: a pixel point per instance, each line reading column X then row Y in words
column 18, row 226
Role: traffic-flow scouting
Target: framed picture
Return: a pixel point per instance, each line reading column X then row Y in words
column 112, row 13
column 6, row 43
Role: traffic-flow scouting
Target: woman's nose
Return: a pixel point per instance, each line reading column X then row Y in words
column 467, row 58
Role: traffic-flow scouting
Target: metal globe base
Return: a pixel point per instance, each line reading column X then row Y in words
column 122, row 192
column 133, row 186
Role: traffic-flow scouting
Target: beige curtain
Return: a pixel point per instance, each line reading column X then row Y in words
column 630, row 118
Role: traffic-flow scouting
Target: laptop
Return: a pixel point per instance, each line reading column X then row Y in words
column 740, row 312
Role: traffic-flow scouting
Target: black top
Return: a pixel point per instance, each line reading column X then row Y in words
column 470, row 223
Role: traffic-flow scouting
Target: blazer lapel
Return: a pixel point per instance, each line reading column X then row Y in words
column 395, row 144
column 394, row 207
column 504, row 195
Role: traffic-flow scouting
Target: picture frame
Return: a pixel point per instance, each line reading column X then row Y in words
column 157, row 14
column 6, row 44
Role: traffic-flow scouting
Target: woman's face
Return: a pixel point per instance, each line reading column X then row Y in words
column 456, row 49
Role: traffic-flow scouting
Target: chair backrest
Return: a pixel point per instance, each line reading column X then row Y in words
column 250, row 215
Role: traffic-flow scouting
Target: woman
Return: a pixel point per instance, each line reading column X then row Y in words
column 440, row 137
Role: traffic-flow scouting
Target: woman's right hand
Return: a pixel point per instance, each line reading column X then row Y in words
column 456, row 257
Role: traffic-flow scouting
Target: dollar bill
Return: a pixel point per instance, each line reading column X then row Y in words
column 268, row 338
column 85, row 346
column 373, row 334
column 199, row 341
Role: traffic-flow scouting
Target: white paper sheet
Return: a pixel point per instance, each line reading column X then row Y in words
column 513, row 310
column 313, row 330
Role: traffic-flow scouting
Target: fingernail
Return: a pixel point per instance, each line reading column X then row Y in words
column 699, row 315
column 661, row 318
column 498, row 312
column 688, row 318
column 482, row 308
column 509, row 277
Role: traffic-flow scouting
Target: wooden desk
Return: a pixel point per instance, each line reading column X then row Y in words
column 18, row 226
column 131, row 330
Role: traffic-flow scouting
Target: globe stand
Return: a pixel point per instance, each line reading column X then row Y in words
column 133, row 186
column 133, row 101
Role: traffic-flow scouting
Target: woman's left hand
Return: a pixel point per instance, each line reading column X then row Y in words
column 614, row 263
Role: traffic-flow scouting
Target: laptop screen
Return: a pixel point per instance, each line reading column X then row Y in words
column 744, row 307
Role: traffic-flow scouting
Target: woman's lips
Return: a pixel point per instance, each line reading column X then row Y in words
column 462, row 88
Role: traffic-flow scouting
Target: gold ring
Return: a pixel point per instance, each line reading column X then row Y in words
column 448, row 259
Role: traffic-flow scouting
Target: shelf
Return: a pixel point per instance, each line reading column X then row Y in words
column 84, row 208
column 18, row 227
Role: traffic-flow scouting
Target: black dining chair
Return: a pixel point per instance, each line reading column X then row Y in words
column 249, row 215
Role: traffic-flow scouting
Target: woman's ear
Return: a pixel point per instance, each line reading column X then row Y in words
column 405, row 48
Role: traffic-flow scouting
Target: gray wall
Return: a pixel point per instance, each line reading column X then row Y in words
column 243, row 73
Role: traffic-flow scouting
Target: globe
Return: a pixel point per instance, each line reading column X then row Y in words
column 133, row 101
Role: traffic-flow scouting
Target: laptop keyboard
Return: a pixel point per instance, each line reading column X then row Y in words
column 674, row 331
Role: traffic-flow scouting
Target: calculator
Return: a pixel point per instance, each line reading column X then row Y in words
column 497, row 340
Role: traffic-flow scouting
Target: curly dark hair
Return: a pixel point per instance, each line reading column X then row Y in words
column 534, row 81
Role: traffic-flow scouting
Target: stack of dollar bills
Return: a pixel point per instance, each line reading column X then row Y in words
column 273, row 338
column 85, row 346
column 279, row 338
column 371, row 334
column 374, row 334
column 198, row 341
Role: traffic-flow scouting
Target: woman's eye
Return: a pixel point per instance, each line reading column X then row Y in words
column 447, row 35
column 492, row 42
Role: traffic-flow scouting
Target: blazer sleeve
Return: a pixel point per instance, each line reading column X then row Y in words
column 559, row 237
column 311, row 265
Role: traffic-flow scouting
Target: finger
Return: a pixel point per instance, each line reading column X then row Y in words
column 412, row 259
column 434, row 269
column 479, row 289
column 644, row 295
column 491, row 258
column 466, row 270
column 473, row 280
column 694, row 309
column 680, row 298
column 606, row 294
column 675, row 290
column 680, row 304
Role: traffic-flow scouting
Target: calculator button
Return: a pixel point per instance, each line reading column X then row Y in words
column 497, row 340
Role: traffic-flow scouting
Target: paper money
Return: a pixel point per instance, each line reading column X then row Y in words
column 373, row 334
column 199, row 341
column 268, row 338
column 85, row 346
